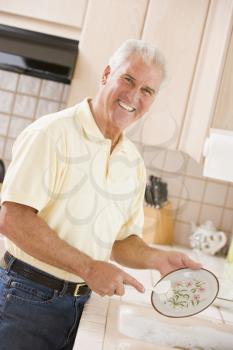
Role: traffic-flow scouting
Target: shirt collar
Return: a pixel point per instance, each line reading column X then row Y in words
column 87, row 122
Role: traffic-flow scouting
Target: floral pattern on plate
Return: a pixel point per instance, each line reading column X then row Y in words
column 185, row 294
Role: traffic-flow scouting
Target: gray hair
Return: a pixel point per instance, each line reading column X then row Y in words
column 149, row 54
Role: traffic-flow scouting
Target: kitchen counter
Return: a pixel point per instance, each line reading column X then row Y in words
column 99, row 325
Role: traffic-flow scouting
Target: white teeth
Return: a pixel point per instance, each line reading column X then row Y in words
column 128, row 108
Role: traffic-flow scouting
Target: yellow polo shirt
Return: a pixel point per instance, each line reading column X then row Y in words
column 62, row 167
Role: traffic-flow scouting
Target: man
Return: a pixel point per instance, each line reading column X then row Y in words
column 72, row 198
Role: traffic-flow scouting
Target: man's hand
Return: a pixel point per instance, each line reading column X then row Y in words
column 135, row 253
column 107, row 279
column 167, row 261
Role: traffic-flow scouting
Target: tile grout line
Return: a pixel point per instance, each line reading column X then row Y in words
column 11, row 113
column 37, row 95
column 37, row 100
column 105, row 325
column 202, row 201
column 224, row 205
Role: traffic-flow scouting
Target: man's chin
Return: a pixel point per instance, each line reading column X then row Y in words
column 123, row 123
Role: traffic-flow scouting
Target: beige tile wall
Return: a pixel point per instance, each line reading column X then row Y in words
column 194, row 198
column 22, row 100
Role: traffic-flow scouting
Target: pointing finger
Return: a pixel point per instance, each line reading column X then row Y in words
column 128, row 279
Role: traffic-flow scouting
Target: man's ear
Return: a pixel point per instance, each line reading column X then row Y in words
column 105, row 75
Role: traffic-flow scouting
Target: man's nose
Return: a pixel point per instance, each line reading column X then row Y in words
column 133, row 95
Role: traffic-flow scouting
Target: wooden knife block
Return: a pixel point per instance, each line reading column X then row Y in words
column 158, row 225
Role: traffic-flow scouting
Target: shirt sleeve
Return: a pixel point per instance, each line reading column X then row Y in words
column 33, row 172
column 135, row 222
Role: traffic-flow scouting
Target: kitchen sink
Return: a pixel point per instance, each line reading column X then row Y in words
column 136, row 345
column 139, row 327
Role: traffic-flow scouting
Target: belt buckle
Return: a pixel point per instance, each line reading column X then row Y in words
column 76, row 291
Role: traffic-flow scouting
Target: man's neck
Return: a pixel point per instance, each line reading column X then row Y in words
column 106, row 129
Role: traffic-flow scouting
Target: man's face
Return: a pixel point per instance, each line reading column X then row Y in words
column 128, row 91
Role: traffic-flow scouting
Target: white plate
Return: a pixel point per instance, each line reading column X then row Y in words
column 184, row 292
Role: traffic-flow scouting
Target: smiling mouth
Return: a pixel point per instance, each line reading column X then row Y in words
column 126, row 107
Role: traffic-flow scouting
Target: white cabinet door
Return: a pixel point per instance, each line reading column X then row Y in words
column 207, row 78
column 68, row 12
column 223, row 116
column 45, row 15
column 107, row 25
column 176, row 28
column 194, row 36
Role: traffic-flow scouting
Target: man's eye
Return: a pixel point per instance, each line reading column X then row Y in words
column 147, row 92
column 128, row 80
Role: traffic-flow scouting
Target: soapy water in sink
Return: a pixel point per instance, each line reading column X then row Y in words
column 183, row 337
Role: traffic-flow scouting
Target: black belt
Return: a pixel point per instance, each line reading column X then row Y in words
column 43, row 278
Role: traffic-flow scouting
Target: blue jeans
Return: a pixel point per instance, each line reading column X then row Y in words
column 34, row 317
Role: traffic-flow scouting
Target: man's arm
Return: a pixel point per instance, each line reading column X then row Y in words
column 22, row 225
column 134, row 252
